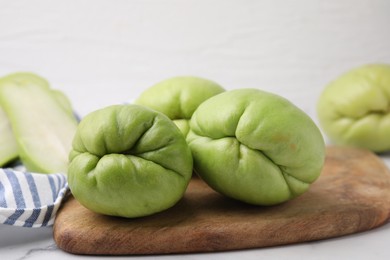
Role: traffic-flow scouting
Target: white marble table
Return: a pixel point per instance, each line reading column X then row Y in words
column 24, row 243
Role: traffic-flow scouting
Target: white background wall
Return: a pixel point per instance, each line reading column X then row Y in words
column 105, row 52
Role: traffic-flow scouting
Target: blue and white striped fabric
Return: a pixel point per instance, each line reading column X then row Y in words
column 30, row 199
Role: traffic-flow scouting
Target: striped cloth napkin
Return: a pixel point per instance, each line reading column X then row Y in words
column 30, row 199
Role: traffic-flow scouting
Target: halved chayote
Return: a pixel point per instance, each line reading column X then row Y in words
column 42, row 122
column 8, row 146
column 128, row 161
column 255, row 146
column 178, row 97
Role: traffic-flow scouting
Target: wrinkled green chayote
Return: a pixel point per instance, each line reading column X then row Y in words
column 354, row 109
column 178, row 97
column 255, row 146
column 128, row 161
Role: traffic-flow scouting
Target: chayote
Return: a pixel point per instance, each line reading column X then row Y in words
column 42, row 121
column 128, row 161
column 354, row 109
column 255, row 146
column 178, row 97
column 8, row 145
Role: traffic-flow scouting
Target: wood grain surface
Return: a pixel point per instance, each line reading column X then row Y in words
column 351, row 195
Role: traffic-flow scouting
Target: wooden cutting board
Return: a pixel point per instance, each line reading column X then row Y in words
column 351, row 195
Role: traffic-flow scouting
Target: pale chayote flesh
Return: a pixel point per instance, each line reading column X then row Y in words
column 179, row 97
column 354, row 109
column 42, row 122
column 128, row 161
column 255, row 146
column 8, row 145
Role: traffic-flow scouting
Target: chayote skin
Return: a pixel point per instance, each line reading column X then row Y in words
column 255, row 146
column 128, row 161
column 354, row 109
column 179, row 97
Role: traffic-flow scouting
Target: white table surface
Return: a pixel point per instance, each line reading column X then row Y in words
column 101, row 52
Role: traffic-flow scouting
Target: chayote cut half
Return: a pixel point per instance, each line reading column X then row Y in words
column 42, row 121
column 354, row 109
column 8, row 146
column 178, row 97
column 128, row 161
column 255, row 146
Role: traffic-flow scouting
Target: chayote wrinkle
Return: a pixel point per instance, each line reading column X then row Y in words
column 88, row 162
column 217, row 131
column 236, row 167
column 147, row 127
column 297, row 188
column 145, row 157
column 106, row 138
column 347, row 126
column 385, row 91
column 134, row 166
column 284, row 170
column 171, row 111
column 104, row 143
column 148, row 130
column 338, row 115
column 138, row 132
column 73, row 153
column 181, row 111
column 381, row 107
column 142, row 155
column 96, row 173
column 262, row 154
column 163, row 147
column 183, row 125
column 135, row 150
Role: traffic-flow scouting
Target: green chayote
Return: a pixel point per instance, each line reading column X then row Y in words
column 354, row 109
column 128, row 161
column 255, row 146
column 178, row 97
